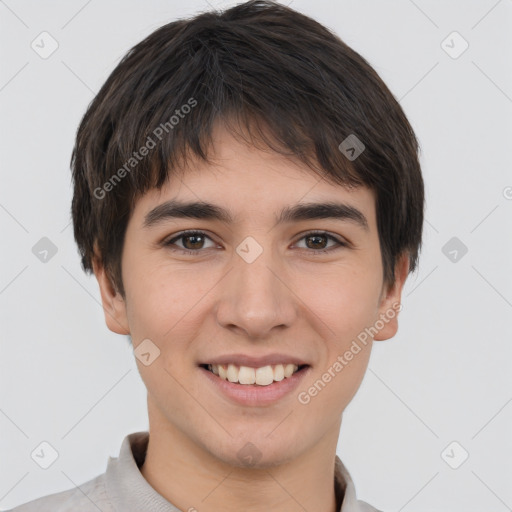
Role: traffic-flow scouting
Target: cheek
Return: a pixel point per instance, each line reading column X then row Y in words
column 345, row 299
column 335, row 381
column 347, row 303
column 163, row 300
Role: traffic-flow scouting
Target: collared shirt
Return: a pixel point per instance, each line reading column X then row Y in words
column 122, row 488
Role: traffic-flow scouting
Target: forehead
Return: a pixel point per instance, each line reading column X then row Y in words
column 253, row 180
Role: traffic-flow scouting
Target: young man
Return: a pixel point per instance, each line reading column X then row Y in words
column 248, row 194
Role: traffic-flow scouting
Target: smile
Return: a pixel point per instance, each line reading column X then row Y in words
column 250, row 386
column 262, row 376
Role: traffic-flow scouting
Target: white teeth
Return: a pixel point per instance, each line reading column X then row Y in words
column 232, row 373
column 289, row 369
column 247, row 375
column 262, row 376
column 223, row 374
column 278, row 372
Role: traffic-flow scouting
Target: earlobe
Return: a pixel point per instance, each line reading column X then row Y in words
column 114, row 305
column 390, row 304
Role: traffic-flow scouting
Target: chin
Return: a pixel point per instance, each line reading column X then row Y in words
column 255, row 450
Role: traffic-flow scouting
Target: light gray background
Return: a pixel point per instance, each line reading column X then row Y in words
column 445, row 377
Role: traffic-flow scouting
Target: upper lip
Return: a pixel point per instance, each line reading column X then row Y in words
column 255, row 362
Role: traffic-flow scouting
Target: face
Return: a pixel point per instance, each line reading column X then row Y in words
column 256, row 290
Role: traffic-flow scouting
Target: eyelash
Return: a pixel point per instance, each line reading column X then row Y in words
column 185, row 234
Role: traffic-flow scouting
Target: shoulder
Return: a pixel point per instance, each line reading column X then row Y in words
column 365, row 507
column 88, row 497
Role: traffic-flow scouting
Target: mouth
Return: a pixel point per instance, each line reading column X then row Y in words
column 254, row 387
column 255, row 377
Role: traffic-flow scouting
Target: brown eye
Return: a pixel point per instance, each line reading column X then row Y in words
column 317, row 242
column 193, row 241
column 190, row 242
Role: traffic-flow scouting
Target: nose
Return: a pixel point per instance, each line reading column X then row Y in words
column 255, row 297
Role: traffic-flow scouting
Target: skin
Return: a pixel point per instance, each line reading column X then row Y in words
column 291, row 299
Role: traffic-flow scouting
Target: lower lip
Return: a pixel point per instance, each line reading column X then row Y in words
column 253, row 394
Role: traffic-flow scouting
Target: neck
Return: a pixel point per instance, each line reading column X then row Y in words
column 192, row 479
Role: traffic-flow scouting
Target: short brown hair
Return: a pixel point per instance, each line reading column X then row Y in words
column 273, row 70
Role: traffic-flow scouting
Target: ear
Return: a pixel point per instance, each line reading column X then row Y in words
column 114, row 305
column 390, row 304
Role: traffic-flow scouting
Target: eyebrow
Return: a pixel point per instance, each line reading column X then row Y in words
column 174, row 209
